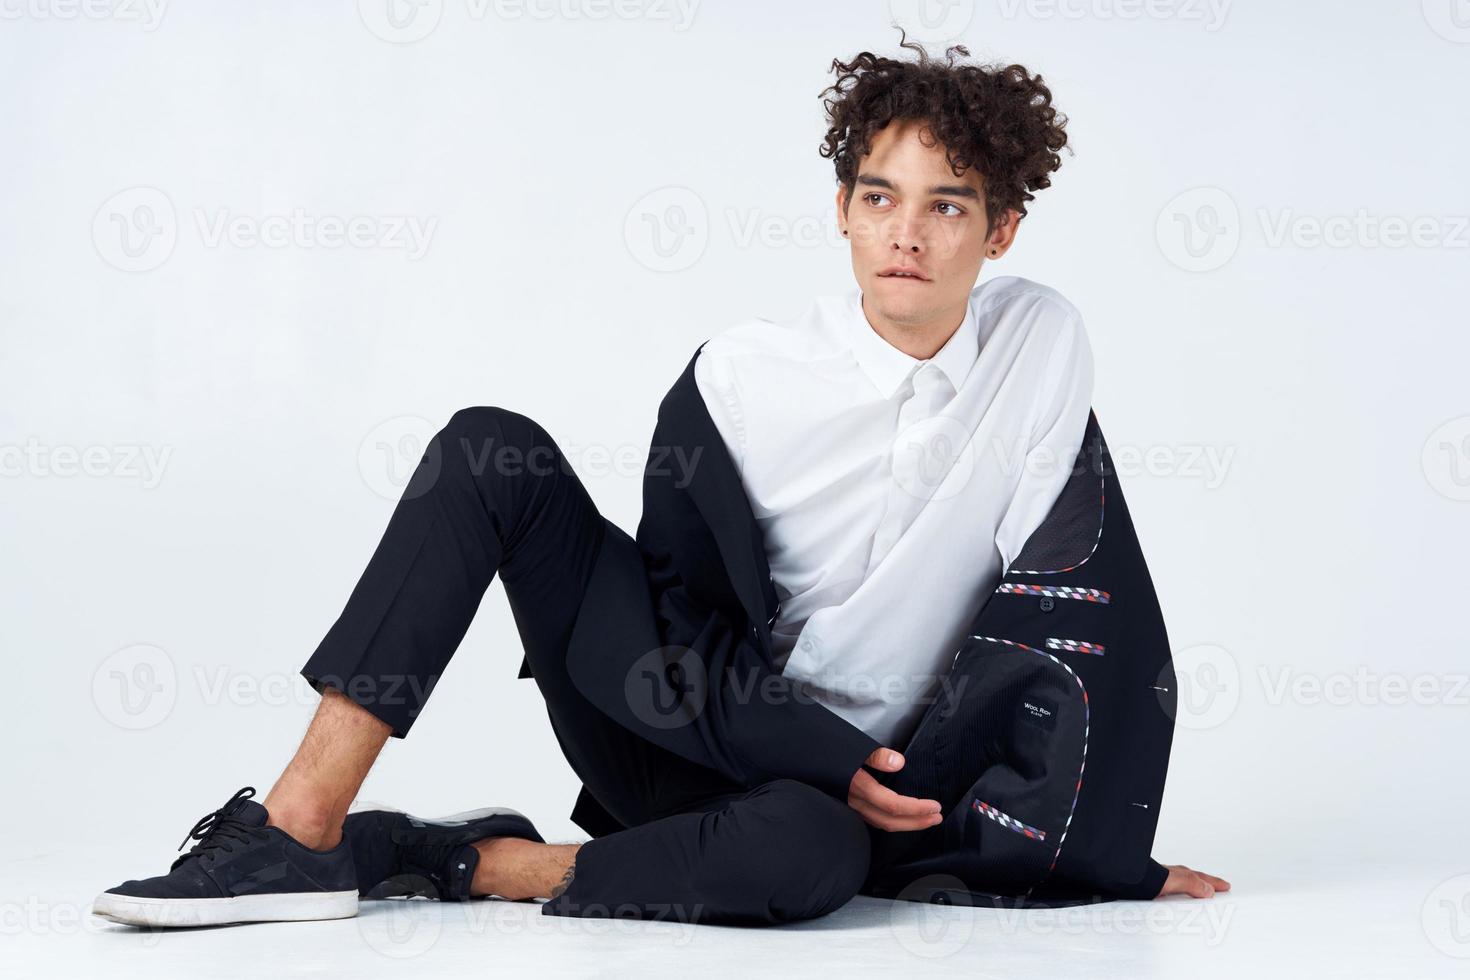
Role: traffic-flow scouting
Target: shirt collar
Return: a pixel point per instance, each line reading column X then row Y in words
column 887, row 366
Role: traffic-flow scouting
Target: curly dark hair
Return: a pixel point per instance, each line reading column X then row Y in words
column 997, row 118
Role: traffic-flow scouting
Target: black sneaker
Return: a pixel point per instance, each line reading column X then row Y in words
column 397, row 854
column 240, row 871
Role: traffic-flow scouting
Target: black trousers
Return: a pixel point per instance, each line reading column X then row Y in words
column 493, row 493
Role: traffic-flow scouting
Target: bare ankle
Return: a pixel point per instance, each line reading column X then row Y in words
column 518, row 869
column 311, row 825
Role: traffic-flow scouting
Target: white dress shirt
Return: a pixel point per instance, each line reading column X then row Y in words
column 893, row 492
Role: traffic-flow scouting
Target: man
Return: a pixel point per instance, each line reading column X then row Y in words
column 855, row 447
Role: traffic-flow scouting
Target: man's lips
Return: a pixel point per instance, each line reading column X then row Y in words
column 902, row 274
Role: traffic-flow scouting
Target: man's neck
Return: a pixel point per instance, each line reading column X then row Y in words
column 920, row 342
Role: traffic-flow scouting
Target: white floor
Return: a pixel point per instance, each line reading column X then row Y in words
column 1305, row 920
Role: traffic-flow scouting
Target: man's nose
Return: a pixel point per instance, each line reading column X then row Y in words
column 907, row 236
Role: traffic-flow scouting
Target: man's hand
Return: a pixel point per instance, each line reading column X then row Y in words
column 882, row 807
column 1195, row 884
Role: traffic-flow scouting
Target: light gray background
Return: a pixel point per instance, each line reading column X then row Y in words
column 1264, row 225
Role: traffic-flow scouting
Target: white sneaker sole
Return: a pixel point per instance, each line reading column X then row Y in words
column 184, row 912
column 455, row 819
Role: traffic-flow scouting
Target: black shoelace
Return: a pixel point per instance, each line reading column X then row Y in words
column 220, row 830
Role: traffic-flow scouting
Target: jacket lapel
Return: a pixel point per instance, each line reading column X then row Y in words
column 717, row 491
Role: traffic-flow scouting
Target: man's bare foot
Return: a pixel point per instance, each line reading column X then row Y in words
column 1195, row 884
column 518, row 869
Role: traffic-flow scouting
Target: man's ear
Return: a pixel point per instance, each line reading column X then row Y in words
column 842, row 208
column 1003, row 235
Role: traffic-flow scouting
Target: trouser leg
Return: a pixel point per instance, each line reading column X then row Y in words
column 494, row 494
column 780, row 852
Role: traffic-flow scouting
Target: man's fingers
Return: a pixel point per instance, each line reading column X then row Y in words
column 885, row 760
column 888, row 801
column 1187, row 881
column 887, row 810
column 1197, row 887
column 885, row 821
column 1221, row 885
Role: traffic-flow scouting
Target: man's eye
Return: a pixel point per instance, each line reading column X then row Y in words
column 956, row 208
column 872, row 194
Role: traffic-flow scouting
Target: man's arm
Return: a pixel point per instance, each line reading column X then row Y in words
column 749, row 722
column 1053, row 434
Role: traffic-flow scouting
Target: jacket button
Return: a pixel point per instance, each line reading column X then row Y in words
column 939, row 898
column 1047, row 603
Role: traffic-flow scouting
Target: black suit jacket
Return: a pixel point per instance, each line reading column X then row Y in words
column 673, row 642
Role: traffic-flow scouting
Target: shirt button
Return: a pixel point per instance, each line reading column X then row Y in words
column 806, row 644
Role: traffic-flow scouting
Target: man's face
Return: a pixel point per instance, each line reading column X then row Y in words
column 909, row 211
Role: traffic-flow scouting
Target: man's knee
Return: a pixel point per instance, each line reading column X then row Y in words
column 821, row 852
column 491, row 439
